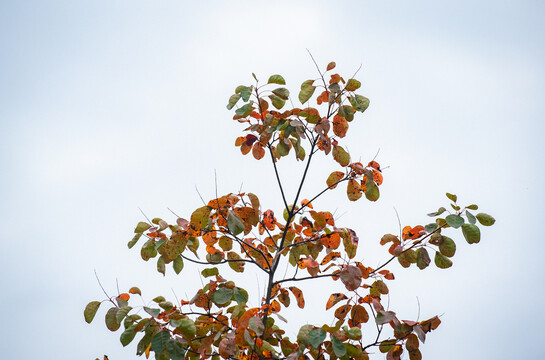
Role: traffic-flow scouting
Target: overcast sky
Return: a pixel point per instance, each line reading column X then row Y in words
column 111, row 106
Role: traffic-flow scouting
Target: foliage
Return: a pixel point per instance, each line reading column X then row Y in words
column 234, row 230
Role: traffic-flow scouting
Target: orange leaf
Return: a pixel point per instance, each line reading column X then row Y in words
column 124, row 296
column 258, row 151
column 330, row 257
column 135, row 290
column 342, row 311
column 306, row 202
column 374, row 165
column 298, row 296
column 331, row 241
column 340, row 126
column 333, row 178
column 334, row 299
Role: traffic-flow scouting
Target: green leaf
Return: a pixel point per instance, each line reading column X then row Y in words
column 187, row 328
column 282, row 93
column 352, row 85
column 302, row 335
column 143, row 344
column 244, row 91
column 175, row 350
column 148, row 250
column 161, row 265
column 316, row 337
column 347, row 112
column 233, row 101
column 283, row 148
column 431, row 227
column 471, row 233
column 277, row 101
column 359, row 103
column 222, row 296
column 91, row 310
column 121, row 313
column 152, row 312
column 442, row 261
column 210, row 272
column 472, row 207
column 159, row 299
column 438, row 212
column 452, row 197
column 235, row 225
column 237, row 266
column 141, row 227
column 447, row 246
column 127, row 336
column 371, row 192
column 353, row 333
column 472, row 220
column 245, row 110
column 485, row 219
column 276, row 79
column 256, row 325
column 134, row 240
column 454, row 220
column 340, row 155
column 241, row 295
column 422, row 258
column 338, row 346
column 178, row 264
column 111, row 321
column 386, row 345
column 166, row 305
column 159, row 341
column 384, row 317
column 307, row 90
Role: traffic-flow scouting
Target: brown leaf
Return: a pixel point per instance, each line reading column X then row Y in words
column 351, row 277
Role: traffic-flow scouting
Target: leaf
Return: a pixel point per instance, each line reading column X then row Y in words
column 152, row 312
column 241, row 295
column 359, row 315
column 342, row 311
column 276, row 79
column 371, row 192
column 178, row 264
column 442, row 261
column 352, row 85
column 302, row 335
column 237, row 266
column 175, row 350
column 447, row 246
column 187, row 328
column 331, row 66
column 121, row 313
column 334, row 299
column 135, row 290
column 438, row 212
column 340, row 126
column 359, row 103
column 90, row 311
column 111, row 322
column 141, row 227
column 159, row 341
column 235, row 225
column 161, row 265
column 353, row 190
column 485, row 219
column 452, row 197
column 307, row 90
column 282, row 93
column 233, row 100
column 210, row 272
column 316, row 337
column 472, row 220
column 222, row 296
column 351, row 277
column 471, row 233
column 244, row 91
column 134, row 240
column 340, row 155
column 454, row 220
column 277, row 101
column 298, row 296
column 333, row 178
column 338, row 346
column 127, row 336
column 472, row 207
column 256, row 325
column 422, row 258
column 245, row 110
column 384, row 317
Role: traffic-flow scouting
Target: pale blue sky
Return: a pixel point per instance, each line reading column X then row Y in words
column 107, row 106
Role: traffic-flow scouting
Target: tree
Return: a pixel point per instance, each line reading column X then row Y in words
column 235, row 231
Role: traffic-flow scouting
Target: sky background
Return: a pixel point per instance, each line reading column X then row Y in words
column 111, row 106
